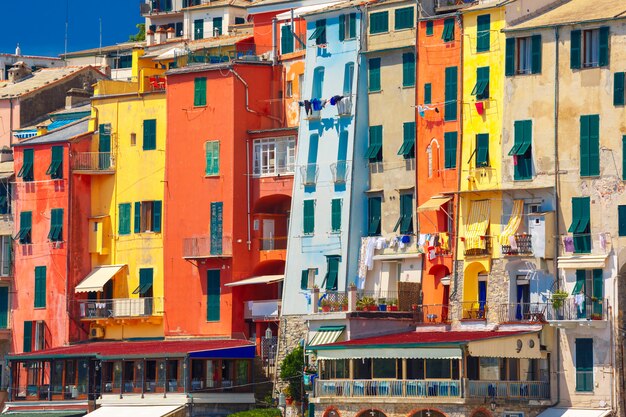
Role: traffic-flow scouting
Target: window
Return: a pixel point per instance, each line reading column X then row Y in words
column 40, row 287
column 404, row 18
column 307, row 279
column 319, row 34
column 375, row 150
column 178, row 26
column 199, row 91
column 56, row 225
column 513, row 414
column 335, row 215
column 274, row 156
column 144, row 289
column 618, row 88
column 483, row 38
column 373, row 75
column 300, row 85
column 6, row 243
column 448, row 30
column 198, row 29
column 240, row 20
column 289, row 89
column 147, row 216
column 124, row 222
column 482, row 150
column 590, row 285
column 429, row 28
column 217, row 26
column 4, row 307
column 405, row 221
column 25, row 233
column 373, row 215
column 589, row 48
column 449, row 146
column 432, row 153
column 379, row 22
column 149, row 134
column 27, row 170
column 522, row 150
column 624, row 157
column 5, row 197
column 217, row 227
column 133, row 139
column 55, row 170
column 286, row 39
column 308, row 220
column 336, row 369
column 408, row 144
column 318, row 83
column 347, row 26
column 348, row 79
column 481, row 89
column 621, row 220
column 450, row 106
column 584, row 365
column 428, row 93
column 310, row 173
column 212, row 157
column 589, row 145
column 213, row 292
column 581, row 224
column 27, row 345
column 332, row 272
column 408, row 69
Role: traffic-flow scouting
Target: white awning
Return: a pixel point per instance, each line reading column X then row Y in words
column 97, row 278
column 391, row 353
column 137, row 411
column 575, row 412
column 526, row 346
column 582, row 262
column 262, row 279
column 391, row 257
column 171, row 54
column 305, row 9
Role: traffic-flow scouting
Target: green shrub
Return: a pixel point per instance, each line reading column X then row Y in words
column 258, row 412
column 291, row 372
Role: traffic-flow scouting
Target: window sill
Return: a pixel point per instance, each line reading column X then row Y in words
column 212, row 176
column 286, row 174
column 403, row 29
column 40, row 308
column 379, row 33
column 374, row 91
column 522, row 179
column 590, row 176
column 200, row 107
column 308, row 234
column 406, row 87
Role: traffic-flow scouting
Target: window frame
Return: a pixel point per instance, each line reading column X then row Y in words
column 212, row 158
column 40, row 293
column 402, row 10
column 270, row 146
column 149, row 139
column 199, row 92
column 56, row 225
column 483, row 37
column 374, row 217
column 380, row 24
column 55, row 170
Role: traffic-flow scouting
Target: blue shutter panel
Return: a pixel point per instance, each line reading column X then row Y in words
column 342, row 27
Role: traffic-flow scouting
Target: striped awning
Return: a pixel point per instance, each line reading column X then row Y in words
column 325, row 335
column 514, row 222
column 477, row 224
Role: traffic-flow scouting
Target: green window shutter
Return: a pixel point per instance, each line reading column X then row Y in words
column 374, row 74
column 335, row 215
column 379, row 22
column 509, row 59
column 198, row 29
column 482, row 150
column 124, row 219
column 408, row 69
column 319, row 34
column 352, row 24
column 26, row 223
column 481, row 89
column 406, row 214
column 286, row 39
column 404, row 18
column 56, row 225
column 598, row 292
column 483, row 36
column 408, row 144
column 212, row 156
column 217, row 26
column 27, row 170
column 137, row 228
column 624, row 157
column 581, row 277
column 575, row 49
column 332, row 266
column 580, row 226
column 584, row 365
column 448, row 30
column 199, row 91
column 308, row 217
column 55, row 170
column 304, row 279
column 604, row 46
column 584, row 146
column 429, row 28
column 156, row 216
column 536, row 54
column 318, row 82
column 149, row 134
column 450, row 144
column 589, row 145
column 428, row 95
column 213, row 291
column 342, row 27
column 522, row 150
column 450, row 106
column 146, row 280
column 28, row 337
column 217, row 227
column 618, row 88
column 4, row 307
column 373, row 214
column 375, row 150
column 40, row 287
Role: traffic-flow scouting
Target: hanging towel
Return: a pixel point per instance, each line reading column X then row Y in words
column 568, row 243
column 436, row 241
column 603, row 241
column 405, row 239
column 422, row 240
column 381, row 243
column 307, row 107
column 369, row 253
column 480, row 107
column 362, row 255
column 431, row 253
column 335, row 99
column 445, row 241
column 316, row 103
column 513, row 242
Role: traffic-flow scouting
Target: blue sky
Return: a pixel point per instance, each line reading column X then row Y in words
column 39, row 25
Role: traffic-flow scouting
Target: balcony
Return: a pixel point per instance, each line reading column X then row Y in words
column 509, row 390
column 388, row 388
column 204, row 247
column 309, row 173
column 522, row 313
column 120, row 307
column 262, row 310
column 482, row 251
column 523, row 246
column 339, row 171
column 273, row 243
column 472, row 310
column 590, row 311
column 93, row 163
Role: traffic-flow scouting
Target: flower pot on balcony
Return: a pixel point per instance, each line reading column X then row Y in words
column 372, row 308
column 392, row 308
column 413, row 307
column 382, row 307
column 289, row 400
column 326, row 309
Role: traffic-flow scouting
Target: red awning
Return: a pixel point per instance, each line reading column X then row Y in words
column 139, row 349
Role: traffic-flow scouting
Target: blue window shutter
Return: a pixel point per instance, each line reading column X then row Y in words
column 604, row 47
column 575, row 49
column 138, row 217
column 342, row 27
column 217, row 209
column 213, row 295
column 429, row 28
column 156, row 216
column 352, row 23
column 286, row 39
column 304, row 279
column 509, row 59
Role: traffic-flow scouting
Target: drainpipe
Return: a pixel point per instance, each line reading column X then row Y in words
column 274, row 46
column 456, row 201
column 248, row 109
column 556, row 204
column 68, row 250
column 10, row 121
column 249, row 241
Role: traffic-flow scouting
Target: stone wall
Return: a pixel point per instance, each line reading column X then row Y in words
column 292, row 330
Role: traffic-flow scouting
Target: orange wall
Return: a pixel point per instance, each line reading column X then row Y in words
column 40, row 197
column 434, row 56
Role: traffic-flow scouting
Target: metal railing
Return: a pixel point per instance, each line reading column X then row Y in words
column 472, row 310
column 486, row 250
column 339, row 170
column 523, row 246
column 572, row 308
column 207, row 247
column 529, row 390
column 388, row 388
column 522, row 313
column 93, row 161
column 332, row 301
column 309, row 173
column 262, row 309
column 382, row 300
column 433, row 313
column 147, row 385
column 586, row 243
column 121, row 307
column 273, row 243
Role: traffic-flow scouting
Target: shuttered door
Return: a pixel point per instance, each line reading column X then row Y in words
column 575, row 49
column 104, row 147
column 450, row 107
column 484, row 38
column 509, row 59
column 584, row 365
column 336, row 215
column 408, row 69
column 216, row 228
column 28, row 336
column 308, row 221
column 598, row 294
column 213, row 295
column 40, row 287
column 4, row 307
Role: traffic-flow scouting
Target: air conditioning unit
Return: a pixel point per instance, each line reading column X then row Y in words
column 96, row 333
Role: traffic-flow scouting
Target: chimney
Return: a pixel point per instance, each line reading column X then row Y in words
column 161, row 35
column 18, row 72
column 171, row 32
column 77, row 96
column 149, row 38
column 42, row 130
column 18, row 50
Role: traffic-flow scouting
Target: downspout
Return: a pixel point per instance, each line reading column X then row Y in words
column 249, row 241
column 10, row 121
column 459, row 159
column 274, row 46
column 248, row 109
column 69, row 229
column 556, row 204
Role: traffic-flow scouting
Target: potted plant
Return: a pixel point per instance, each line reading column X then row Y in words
column 382, row 304
column 288, row 395
column 369, row 304
column 414, row 307
column 344, row 304
column 359, row 305
column 326, row 306
column 558, row 299
column 392, row 305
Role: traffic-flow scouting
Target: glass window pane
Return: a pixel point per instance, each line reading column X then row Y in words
column 438, row 368
column 384, row 368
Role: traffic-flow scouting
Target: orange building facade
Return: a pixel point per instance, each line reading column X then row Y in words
column 438, row 115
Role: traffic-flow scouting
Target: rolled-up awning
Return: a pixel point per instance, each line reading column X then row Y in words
column 262, row 279
column 325, row 335
column 575, row 412
column 97, row 278
column 477, row 224
column 582, row 261
column 514, row 222
column 434, row 203
column 392, row 353
column 140, row 411
column 398, row 256
column 527, row 346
